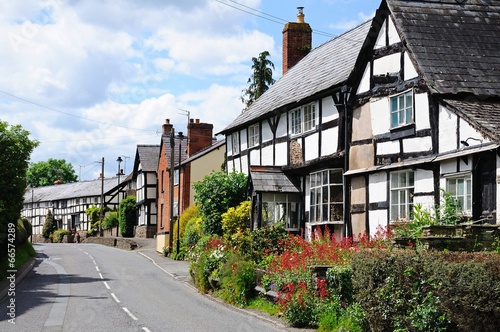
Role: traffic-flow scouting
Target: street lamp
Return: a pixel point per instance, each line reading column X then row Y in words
column 119, row 161
column 180, row 136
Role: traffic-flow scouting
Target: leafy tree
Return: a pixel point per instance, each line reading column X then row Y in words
column 15, row 151
column 261, row 79
column 49, row 226
column 128, row 217
column 45, row 173
column 215, row 194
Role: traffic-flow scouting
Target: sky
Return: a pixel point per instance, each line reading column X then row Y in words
column 92, row 79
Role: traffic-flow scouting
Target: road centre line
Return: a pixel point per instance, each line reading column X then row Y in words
column 146, row 329
column 106, row 284
column 100, row 275
column 114, row 297
column 92, row 258
column 97, row 268
column 129, row 313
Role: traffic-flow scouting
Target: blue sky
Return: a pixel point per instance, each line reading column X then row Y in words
column 92, row 79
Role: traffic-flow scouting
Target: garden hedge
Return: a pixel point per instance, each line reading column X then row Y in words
column 428, row 291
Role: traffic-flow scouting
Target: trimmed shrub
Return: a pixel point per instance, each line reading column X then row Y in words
column 428, row 291
column 49, row 226
column 21, row 233
column 339, row 281
column 127, row 217
column 59, row 234
column 111, row 220
column 27, row 226
column 193, row 232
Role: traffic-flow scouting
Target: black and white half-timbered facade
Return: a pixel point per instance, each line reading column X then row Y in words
column 291, row 140
column 145, row 184
column 426, row 113
column 67, row 202
column 378, row 119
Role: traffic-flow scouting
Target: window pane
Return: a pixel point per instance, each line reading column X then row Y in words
column 324, row 177
column 324, row 212
column 452, row 187
column 335, row 177
column 394, row 104
column 411, row 179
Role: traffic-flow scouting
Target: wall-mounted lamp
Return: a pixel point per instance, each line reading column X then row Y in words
column 465, row 143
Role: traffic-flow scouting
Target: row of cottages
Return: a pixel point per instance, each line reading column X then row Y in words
column 380, row 118
column 68, row 201
column 182, row 161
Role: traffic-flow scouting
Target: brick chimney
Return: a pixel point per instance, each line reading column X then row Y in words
column 199, row 136
column 166, row 128
column 297, row 41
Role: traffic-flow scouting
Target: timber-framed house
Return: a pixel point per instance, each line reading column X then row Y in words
column 291, row 140
column 425, row 113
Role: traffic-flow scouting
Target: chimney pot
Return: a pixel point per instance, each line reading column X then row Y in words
column 197, row 120
column 300, row 15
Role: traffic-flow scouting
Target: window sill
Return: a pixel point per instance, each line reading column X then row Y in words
column 403, row 131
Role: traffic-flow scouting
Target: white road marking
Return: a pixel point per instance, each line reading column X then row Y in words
column 94, row 262
column 97, row 268
column 106, row 284
column 158, row 266
column 92, row 258
column 100, row 275
column 114, row 297
column 129, row 313
column 146, row 329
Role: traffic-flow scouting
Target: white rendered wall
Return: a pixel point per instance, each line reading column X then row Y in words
column 281, row 154
column 417, row 144
column 377, row 220
column 380, row 116
column 387, row 64
column 329, row 140
column 329, row 111
column 393, row 34
column 267, row 155
column 467, row 131
column 267, row 134
column 409, row 69
column 381, row 37
column 243, row 140
column 421, row 104
column 386, row 148
column 447, row 130
column 255, row 157
column 312, row 147
column 364, row 84
column 377, row 190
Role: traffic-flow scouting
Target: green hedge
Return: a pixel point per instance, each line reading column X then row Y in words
column 407, row 290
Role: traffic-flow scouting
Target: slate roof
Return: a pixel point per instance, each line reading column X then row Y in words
column 148, row 157
column 325, row 66
column 484, row 116
column 456, row 43
column 69, row 190
column 271, row 179
column 167, row 149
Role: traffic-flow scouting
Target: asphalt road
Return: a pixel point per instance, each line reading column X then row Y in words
column 89, row 287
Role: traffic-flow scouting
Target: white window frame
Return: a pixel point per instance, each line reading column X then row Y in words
column 253, row 135
column 463, row 195
column 235, row 143
column 326, row 190
column 401, row 195
column 401, row 108
column 277, row 207
column 303, row 119
column 176, row 177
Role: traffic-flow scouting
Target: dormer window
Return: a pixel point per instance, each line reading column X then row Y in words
column 402, row 109
column 303, row 119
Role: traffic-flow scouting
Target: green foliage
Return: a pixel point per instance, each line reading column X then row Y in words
column 428, row 291
column 339, row 280
column 236, row 225
column 338, row 317
column 127, row 217
column 49, row 225
column 59, row 234
column 23, row 253
column 111, row 220
column 215, row 194
column 21, row 232
column 238, row 280
column 27, row 226
column 449, row 211
column 193, row 232
column 413, row 229
column 261, row 79
column 94, row 213
column 266, row 242
column 206, row 258
column 45, row 173
column 15, row 151
column 263, row 304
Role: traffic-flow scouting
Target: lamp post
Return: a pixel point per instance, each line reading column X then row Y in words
column 180, row 136
column 119, row 161
column 101, row 213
